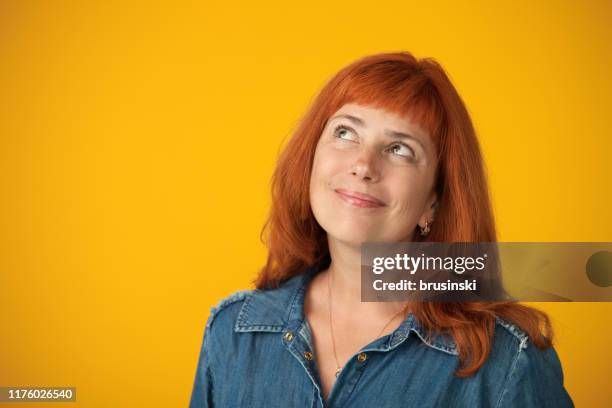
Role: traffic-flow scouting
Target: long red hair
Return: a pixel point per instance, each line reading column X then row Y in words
column 420, row 90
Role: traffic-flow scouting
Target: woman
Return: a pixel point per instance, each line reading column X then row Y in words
column 386, row 148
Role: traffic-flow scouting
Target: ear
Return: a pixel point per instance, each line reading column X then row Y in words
column 430, row 210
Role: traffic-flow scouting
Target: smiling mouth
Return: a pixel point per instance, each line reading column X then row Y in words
column 359, row 200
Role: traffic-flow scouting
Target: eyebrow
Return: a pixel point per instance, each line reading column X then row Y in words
column 394, row 134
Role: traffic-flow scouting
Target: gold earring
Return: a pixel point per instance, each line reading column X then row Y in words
column 425, row 230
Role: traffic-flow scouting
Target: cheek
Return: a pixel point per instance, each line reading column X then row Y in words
column 327, row 164
column 409, row 194
column 327, row 170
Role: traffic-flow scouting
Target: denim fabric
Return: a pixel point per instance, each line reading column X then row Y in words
column 248, row 360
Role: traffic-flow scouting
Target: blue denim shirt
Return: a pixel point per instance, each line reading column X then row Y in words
column 255, row 354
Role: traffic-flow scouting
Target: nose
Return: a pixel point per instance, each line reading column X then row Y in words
column 365, row 167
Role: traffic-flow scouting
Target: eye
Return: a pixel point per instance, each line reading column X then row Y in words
column 343, row 132
column 402, row 149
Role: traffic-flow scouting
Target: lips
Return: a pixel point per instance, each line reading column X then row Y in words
column 359, row 199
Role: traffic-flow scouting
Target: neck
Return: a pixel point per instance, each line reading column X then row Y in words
column 345, row 273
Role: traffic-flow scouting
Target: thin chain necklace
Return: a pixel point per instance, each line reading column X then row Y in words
column 331, row 326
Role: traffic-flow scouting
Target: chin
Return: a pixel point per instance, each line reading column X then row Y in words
column 352, row 235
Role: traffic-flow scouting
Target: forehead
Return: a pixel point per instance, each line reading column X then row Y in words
column 375, row 117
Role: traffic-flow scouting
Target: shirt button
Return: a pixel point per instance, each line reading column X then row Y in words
column 288, row 336
column 362, row 357
column 308, row 355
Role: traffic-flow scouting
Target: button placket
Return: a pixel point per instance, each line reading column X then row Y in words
column 298, row 346
column 348, row 379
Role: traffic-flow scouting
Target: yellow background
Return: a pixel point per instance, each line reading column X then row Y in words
column 137, row 140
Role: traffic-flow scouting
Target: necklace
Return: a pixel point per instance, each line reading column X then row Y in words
column 331, row 327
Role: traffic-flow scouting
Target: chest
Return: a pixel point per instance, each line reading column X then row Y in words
column 264, row 369
column 331, row 353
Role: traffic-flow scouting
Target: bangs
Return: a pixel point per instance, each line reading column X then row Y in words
column 407, row 94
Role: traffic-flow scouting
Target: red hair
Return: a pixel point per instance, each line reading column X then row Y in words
column 421, row 90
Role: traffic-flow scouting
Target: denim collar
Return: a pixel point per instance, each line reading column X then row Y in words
column 282, row 309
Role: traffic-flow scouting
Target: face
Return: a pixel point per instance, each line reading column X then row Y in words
column 372, row 177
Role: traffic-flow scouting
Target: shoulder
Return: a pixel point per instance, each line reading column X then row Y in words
column 508, row 339
column 516, row 341
column 531, row 376
column 511, row 336
column 226, row 310
column 513, row 343
column 256, row 309
column 218, row 331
